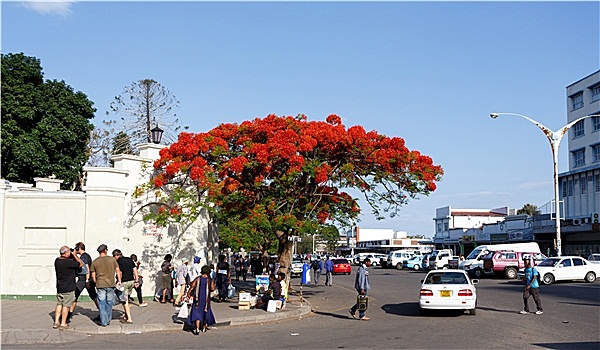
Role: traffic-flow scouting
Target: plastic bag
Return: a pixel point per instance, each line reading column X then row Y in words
column 230, row 291
column 120, row 296
column 184, row 312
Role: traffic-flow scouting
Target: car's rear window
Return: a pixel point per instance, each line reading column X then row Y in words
column 340, row 261
column 446, row 278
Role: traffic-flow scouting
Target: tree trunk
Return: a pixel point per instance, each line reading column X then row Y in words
column 284, row 252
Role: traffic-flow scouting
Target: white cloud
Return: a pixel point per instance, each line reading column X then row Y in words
column 50, row 7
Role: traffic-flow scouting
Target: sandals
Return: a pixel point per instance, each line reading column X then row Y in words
column 56, row 325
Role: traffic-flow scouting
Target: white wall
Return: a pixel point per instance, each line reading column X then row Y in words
column 36, row 222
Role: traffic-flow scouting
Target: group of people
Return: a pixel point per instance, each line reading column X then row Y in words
column 317, row 267
column 75, row 271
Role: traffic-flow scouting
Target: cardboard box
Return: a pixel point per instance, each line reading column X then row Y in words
column 244, row 305
column 244, row 296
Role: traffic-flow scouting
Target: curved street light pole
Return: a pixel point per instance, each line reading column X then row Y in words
column 554, row 137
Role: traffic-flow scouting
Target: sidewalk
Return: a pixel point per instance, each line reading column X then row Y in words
column 30, row 322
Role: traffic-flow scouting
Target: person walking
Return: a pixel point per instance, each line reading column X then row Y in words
column 317, row 266
column 104, row 269
column 223, row 277
column 138, row 287
column 84, row 280
column 532, row 288
column 329, row 271
column 182, row 278
column 244, row 268
column 65, row 267
column 195, row 269
column 201, row 312
column 166, row 280
column 129, row 280
column 362, row 286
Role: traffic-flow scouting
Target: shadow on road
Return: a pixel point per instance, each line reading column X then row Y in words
column 412, row 309
column 335, row 315
column 568, row 346
column 403, row 309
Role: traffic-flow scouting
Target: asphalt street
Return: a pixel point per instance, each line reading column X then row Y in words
column 571, row 321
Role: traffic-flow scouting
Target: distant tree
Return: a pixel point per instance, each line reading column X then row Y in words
column 122, row 144
column 331, row 235
column 529, row 209
column 142, row 106
column 45, row 124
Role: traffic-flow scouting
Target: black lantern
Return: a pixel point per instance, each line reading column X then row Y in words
column 156, row 134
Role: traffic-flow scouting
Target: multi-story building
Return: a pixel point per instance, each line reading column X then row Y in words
column 579, row 187
column 460, row 229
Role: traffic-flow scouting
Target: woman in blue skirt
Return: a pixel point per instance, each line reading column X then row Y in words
column 201, row 313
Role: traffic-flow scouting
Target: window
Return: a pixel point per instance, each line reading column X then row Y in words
column 566, row 262
column 583, row 184
column 564, row 188
column 578, row 129
column 579, row 158
column 597, row 182
column 577, row 262
column 595, row 92
column 577, row 101
column 595, row 123
column 596, row 153
column 570, row 188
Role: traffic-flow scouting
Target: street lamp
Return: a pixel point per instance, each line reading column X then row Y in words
column 554, row 137
column 156, row 134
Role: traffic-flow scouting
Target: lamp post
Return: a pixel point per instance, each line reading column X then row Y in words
column 554, row 137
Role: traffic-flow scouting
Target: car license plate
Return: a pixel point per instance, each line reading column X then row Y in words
column 444, row 293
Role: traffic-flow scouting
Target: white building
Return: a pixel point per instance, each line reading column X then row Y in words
column 455, row 228
column 37, row 221
column 579, row 188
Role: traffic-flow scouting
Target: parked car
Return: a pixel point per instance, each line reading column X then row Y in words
column 376, row 258
column 396, row 258
column 341, row 266
column 507, row 262
column 360, row 257
column 296, row 269
column 594, row 258
column 412, row 263
column 566, row 268
column 448, row 290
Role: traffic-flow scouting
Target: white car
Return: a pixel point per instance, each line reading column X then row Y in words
column 566, row 268
column 594, row 258
column 296, row 269
column 448, row 290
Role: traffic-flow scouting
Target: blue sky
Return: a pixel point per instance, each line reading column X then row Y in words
column 429, row 72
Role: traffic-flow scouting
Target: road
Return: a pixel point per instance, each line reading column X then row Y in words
column 571, row 320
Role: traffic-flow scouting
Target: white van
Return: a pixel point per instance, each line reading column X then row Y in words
column 440, row 259
column 396, row 258
column 473, row 263
column 360, row 257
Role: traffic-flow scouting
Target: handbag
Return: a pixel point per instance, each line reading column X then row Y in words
column 362, row 301
column 230, row 291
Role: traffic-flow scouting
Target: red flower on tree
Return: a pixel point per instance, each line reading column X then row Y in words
column 278, row 174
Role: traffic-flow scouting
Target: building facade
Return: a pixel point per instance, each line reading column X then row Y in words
column 579, row 187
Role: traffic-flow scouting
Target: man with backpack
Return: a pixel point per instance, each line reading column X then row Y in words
column 317, row 266
column 532, row 288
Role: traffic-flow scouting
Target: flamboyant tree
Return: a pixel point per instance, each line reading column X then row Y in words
column 283, row 176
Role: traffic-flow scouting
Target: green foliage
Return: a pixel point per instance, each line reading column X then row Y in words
column 529, row 209
column 45, row 124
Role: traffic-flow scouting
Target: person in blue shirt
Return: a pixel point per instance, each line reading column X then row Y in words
column 532, row 288
column 329, row 271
